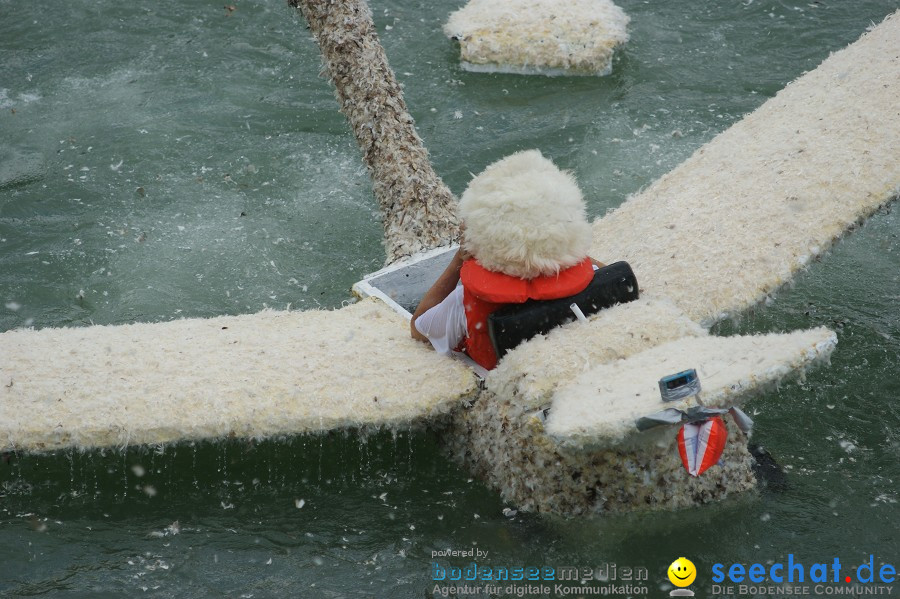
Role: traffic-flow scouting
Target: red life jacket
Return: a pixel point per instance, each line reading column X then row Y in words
column 485, row 291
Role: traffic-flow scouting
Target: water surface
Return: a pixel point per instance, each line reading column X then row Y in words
column 176, row 159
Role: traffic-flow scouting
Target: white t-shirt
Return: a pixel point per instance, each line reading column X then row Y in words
column 445, row 323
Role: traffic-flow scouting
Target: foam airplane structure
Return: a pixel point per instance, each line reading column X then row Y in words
column 554, row 427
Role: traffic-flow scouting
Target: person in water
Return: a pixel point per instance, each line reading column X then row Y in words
column 525, row 236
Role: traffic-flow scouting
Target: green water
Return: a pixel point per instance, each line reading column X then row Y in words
column 161, row 160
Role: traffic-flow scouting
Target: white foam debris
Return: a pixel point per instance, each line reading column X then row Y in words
column 601, row 406
column 847, row 446
column 259, row 375
column 734, row 222
column 547, row 37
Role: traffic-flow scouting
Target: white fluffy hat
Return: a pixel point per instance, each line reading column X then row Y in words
column 524, row 217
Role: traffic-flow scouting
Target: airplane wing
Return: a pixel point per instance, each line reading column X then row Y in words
column 601, row 406
column 256, row 375
column 739, row 218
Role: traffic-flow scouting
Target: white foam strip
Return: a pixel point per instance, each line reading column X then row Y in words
column 747, row 210
column 601, row 406
column 256, row 375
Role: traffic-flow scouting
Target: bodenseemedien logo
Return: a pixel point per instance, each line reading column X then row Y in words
column 682, row 574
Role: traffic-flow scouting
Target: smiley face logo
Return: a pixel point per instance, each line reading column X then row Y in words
column 682, row 572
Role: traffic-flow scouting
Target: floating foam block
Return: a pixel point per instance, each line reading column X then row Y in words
column 741, row 216
column 547, row 37
column 601, row 406
column 258, row 375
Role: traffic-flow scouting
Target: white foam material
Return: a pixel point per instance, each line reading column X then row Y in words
column 255, row 375
column 547, row 37
column 605, row 402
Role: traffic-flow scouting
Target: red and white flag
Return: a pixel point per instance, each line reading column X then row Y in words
column 701, row 444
